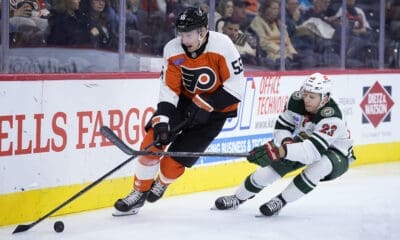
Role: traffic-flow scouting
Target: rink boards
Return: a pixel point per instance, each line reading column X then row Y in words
column 50, row 145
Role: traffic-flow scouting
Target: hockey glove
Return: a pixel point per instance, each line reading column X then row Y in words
column 287, row 140
column 264, row 155
column 161, row 130
column 301, row 136
column 199, row 111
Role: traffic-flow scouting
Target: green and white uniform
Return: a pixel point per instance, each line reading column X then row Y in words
column 320, row 132
column 320, row 142
column 323, row 147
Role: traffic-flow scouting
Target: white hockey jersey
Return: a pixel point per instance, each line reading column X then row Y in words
column 316, row 132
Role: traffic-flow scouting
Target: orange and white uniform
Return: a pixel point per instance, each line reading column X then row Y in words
column 214, row 71
column 219, row 65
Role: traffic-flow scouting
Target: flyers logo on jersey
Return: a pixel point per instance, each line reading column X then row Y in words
column 203, row 79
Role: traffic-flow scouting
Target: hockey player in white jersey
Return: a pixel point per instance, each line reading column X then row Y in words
column 311, row 132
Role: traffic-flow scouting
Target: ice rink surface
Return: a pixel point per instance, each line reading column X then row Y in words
column 363, row 204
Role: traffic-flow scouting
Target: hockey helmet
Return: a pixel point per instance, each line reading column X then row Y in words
column 191, row 19
column 317, row 83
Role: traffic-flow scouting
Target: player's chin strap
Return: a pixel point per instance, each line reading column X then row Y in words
column 324, row 99
column 201, row 38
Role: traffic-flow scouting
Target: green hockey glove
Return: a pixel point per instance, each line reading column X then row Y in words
column 264, row 155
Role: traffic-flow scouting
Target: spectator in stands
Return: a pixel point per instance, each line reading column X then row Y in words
column 223, row 10
column 68, row 25
column 203, row 5
column 154, row 19
column 319, row 9
column 174, row 7
column 294, row 18
column 319, row 35
column 304, row 4
column 252, row 8
column 246, row 51
column 100, row 23
column 154, row 7
column 135, row 40
column 267, row 27
column 131, row 18
column 27, row 28
column 358, row 31
column 240, row 14
column 355, row 17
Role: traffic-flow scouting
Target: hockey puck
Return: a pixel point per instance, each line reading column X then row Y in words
column 59, row 226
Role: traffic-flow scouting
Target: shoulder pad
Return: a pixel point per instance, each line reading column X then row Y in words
column 296, row 103
column 331, row 109
column 296, row 96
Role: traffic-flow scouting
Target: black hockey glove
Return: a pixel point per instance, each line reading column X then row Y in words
column 161, row 130
column 199, row 111
column 264, row 155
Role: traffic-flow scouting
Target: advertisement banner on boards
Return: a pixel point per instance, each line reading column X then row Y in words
column 49, row 130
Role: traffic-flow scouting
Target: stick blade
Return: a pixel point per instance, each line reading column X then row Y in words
column 22, row 228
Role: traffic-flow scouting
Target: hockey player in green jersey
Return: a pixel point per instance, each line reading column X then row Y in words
column 311, row 132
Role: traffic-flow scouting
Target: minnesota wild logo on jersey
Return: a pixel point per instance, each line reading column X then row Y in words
column 323, row 128
column 310, row 133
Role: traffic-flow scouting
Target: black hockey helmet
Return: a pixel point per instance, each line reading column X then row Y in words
column 191, row 19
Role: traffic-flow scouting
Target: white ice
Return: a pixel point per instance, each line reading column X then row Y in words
column 363, row 204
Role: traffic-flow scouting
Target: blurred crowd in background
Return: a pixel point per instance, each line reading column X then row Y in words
column 312, row 32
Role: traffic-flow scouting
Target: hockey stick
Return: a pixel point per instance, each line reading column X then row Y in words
column 23, row 228
column 110, row 135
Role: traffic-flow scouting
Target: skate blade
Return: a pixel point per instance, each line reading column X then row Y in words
column 118, row 213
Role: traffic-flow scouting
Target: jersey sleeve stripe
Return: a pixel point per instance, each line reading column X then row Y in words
column 279, row 126
column 283, row 124
column 321, row 139
column 318, row 144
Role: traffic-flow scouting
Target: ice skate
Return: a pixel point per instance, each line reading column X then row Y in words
column 228, row 202
column 157, row 191
column 273, row 206
column 130, row 204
